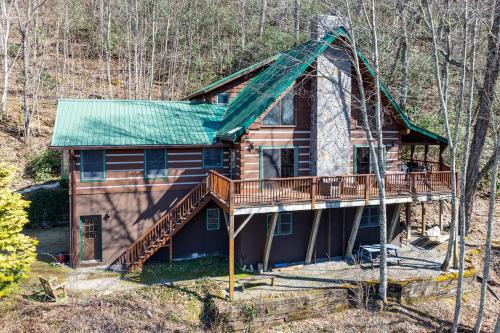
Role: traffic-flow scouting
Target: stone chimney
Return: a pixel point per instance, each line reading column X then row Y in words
column 331, row 103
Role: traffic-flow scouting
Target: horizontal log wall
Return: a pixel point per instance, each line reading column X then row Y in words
column 125, row 171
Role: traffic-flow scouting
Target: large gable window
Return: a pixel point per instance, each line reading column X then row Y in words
column 155, row 163
column 93, row 165
column 212, row 158
column 283, row 113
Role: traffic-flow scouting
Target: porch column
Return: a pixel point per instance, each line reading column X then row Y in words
column 269, row 241
column 354, row 231
column 314, row 234
column 412, row 153
column 231, row 256
column 442, row 148
column 426, row 155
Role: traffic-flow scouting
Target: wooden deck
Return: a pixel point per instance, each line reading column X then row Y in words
column 277, row 191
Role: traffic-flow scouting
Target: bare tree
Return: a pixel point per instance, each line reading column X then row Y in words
column 465, row 156
column 486, row 94
column 403, row 95
column 377, row 150
column 262, row 19
column 6, row 7
column 489, row 234
column 24, row 21
column 296, row 18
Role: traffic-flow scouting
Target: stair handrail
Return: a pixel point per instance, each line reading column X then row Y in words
column 167, row 214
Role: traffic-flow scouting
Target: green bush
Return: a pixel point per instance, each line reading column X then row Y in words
column 49, row 207
column 45, row 165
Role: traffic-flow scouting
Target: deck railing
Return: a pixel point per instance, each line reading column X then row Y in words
column 416, row 165
column 311, row 189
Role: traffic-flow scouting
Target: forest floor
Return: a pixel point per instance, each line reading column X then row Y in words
column 103, row 301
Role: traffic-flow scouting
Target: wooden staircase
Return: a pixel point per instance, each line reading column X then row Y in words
column 160, row 234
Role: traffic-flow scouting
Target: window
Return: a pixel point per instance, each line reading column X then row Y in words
column 370, row 217
column 155, row 163
column 213, row 218
column 93, row 165
column 283, row 225
column 283, row 112
column 278, row 162
column 223, row 98
column 363, row 163
column 212, row 158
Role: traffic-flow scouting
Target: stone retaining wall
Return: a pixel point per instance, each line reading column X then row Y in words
column 259, row 313
column 239, row 316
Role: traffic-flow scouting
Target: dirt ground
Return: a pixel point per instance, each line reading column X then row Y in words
column 106, row 302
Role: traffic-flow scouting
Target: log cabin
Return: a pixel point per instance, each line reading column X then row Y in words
column 268, row 165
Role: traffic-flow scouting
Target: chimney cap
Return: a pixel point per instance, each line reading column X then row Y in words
column 321, row 24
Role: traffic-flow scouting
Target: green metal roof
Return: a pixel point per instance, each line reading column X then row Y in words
column 94, row 122
column 263, row 90
column 270, row 84
column 395, row 105
column 231, row 77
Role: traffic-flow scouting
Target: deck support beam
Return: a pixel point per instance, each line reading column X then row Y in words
column 269, row 240
column 231, row 257
column 354, row 231
column 441, row 215
column 394, row 222
column 243, row 224
column 424, row 222
column 408, row 222
column 314, row 234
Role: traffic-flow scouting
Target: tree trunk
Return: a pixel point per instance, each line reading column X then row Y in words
column 486, row 96
column 403, row 95
column 296, row 17
column 263, row 9
column 489, row 237
column 465, row 155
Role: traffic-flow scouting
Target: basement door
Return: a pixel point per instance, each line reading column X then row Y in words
column 91, row 238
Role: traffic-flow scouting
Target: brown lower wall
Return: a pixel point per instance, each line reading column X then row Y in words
column 125, row 216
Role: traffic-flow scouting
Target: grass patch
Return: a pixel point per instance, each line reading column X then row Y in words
column 182, row 270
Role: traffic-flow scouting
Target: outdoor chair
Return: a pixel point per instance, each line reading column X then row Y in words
column 51, row 290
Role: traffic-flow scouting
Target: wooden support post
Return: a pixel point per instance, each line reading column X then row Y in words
column 442, row 148
column 426, row 153
column 394, row 221
column 171, row 243
column 367, row 189
column 314, row 233
column 408, row 221
column 412, row 153
column 441, row 215
column 269, row 240
column 354, row 231
column 314, row 184
column 424, row 222
column 231, row 257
